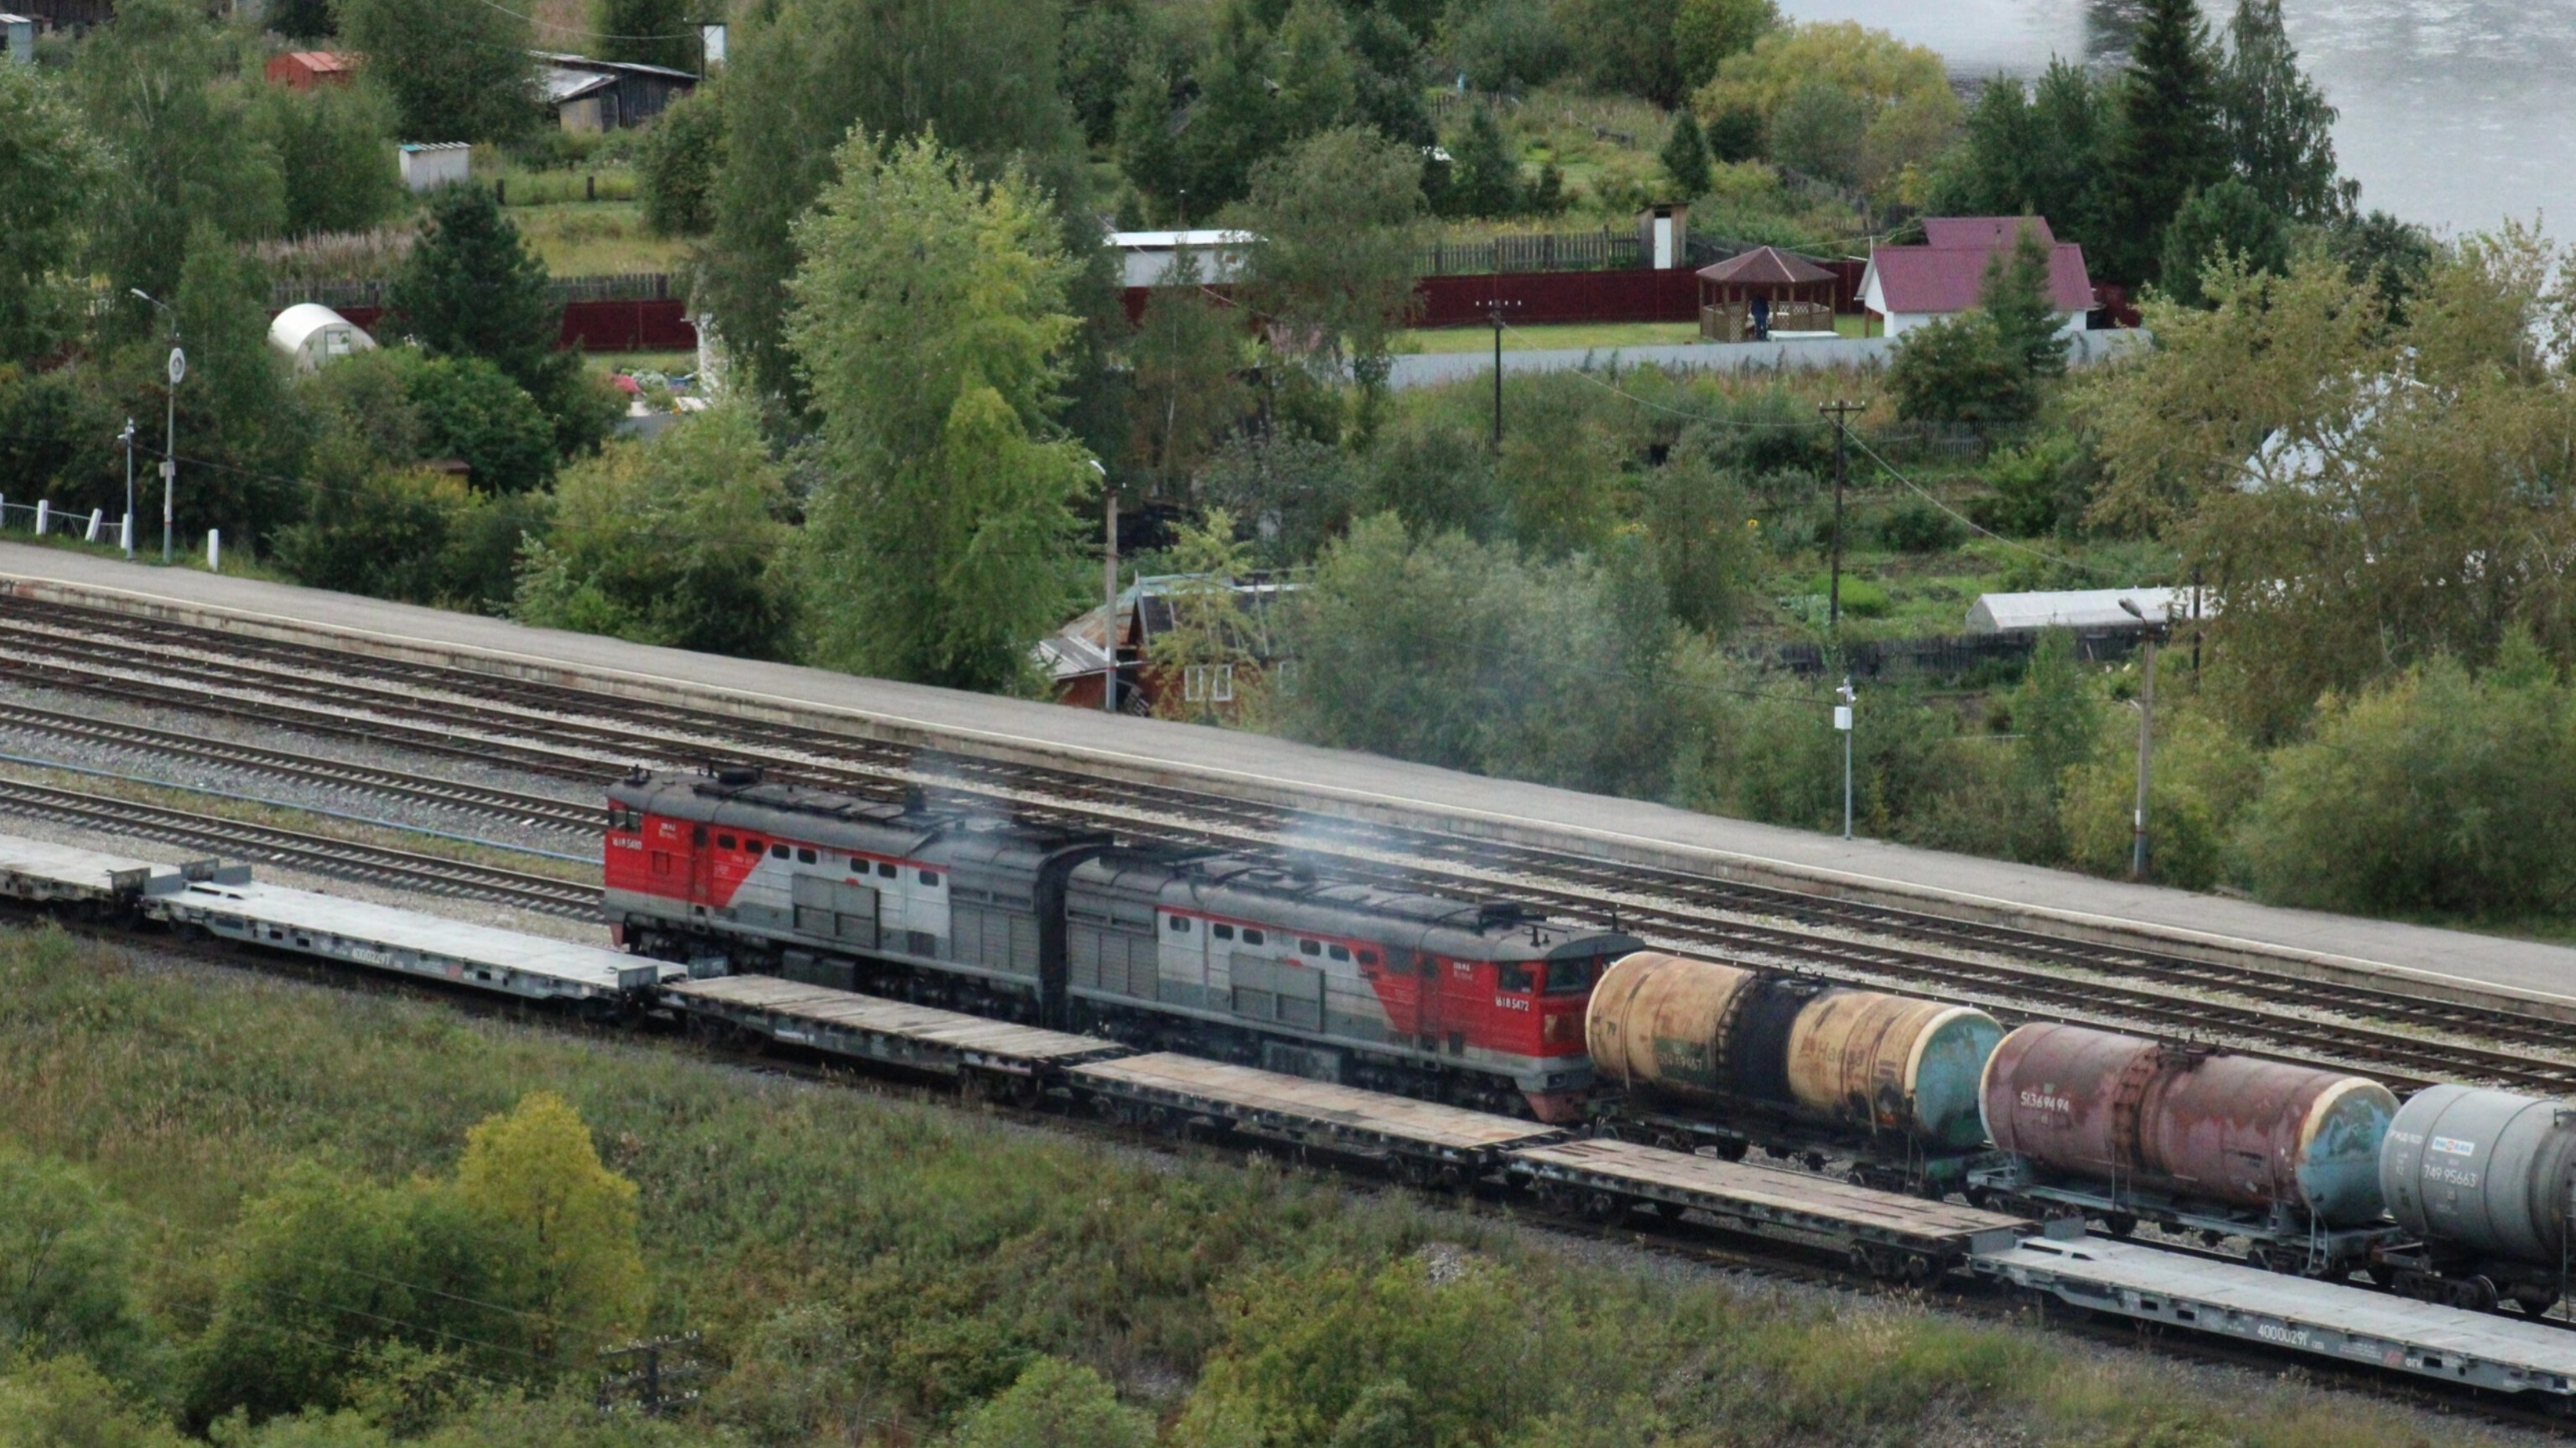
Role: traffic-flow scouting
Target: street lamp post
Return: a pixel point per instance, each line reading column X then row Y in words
column 2146, row 731
column 1108, row 588
column 125, row 530
column 170, row 445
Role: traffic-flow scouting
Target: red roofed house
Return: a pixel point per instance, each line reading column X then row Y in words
column 1907, row 286
column 305, row 69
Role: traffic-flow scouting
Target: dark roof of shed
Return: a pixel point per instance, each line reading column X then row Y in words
column 1765, row 266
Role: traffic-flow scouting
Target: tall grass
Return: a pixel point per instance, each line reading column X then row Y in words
column 866, row 1268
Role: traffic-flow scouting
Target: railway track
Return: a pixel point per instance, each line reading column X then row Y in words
column 512, row 805
column 576, row 734
column 316, row 854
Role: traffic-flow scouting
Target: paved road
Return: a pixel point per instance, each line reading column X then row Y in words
column 1430, row 369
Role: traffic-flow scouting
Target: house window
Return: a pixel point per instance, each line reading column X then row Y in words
column 1208, row 683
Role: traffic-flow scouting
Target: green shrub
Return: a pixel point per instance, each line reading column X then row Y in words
column 1918, row 526
column 677, row 163
column 2435, row 791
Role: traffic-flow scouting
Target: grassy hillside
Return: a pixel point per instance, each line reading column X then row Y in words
column 870, row 1270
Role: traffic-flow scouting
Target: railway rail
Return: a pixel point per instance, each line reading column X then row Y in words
column 317, row 854
column 584, row 735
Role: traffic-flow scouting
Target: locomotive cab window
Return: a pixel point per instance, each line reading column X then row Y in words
column 858, row 866
column 1565, row 977
column 930, row 878
column 698, row 836
column 751, row 846
column 1339, row 952
column 885, row 870
column 1180, row 925
column 1512, row 976
column 1251, row 936
column 723, row 842
column 804, row 856
column 1310, row 947
column 1368, row 957
column 778, row 852
column 1222, row 932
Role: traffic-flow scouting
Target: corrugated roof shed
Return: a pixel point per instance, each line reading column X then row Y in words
column 2091, row 609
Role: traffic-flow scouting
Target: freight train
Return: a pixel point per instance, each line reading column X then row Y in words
column 2463, row 1196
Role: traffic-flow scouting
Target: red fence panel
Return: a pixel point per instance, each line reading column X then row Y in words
column 644, row 326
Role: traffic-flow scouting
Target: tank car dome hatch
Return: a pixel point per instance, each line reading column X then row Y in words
column 2487, row 1170
column 312, row 335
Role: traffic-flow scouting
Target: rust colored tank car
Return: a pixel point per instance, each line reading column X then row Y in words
column 1719, row 1035
column 2154, row 1124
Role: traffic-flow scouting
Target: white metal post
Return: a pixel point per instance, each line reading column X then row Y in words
column 214, row 550
column 1843, row 723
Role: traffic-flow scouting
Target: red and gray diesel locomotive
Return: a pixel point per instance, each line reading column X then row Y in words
column 1479, row 1003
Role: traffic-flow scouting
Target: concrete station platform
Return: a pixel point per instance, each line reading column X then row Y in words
column 2449, row 964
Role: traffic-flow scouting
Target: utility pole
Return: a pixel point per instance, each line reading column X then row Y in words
column 1843, row 723
column 1108, row 588
column 1494, row 311
column 1834, row 582
column 170, row 447
column 2146, row 731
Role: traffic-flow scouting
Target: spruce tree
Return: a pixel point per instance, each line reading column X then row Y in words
column 1685, row 156
column 1484, row 176
column 2279, row 126
column 2169, row 140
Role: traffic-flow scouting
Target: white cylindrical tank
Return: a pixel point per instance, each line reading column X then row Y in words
column 311, row 334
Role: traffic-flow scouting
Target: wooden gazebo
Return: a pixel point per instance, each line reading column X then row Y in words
column 1747, row 298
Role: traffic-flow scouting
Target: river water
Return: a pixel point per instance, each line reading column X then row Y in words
column 2456, row 113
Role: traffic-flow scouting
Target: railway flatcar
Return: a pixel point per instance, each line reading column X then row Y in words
column 1476, row 1003
column 2125, row 1130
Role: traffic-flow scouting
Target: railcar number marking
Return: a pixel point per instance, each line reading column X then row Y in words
column 1507, row 1003
column 2042, row 1101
